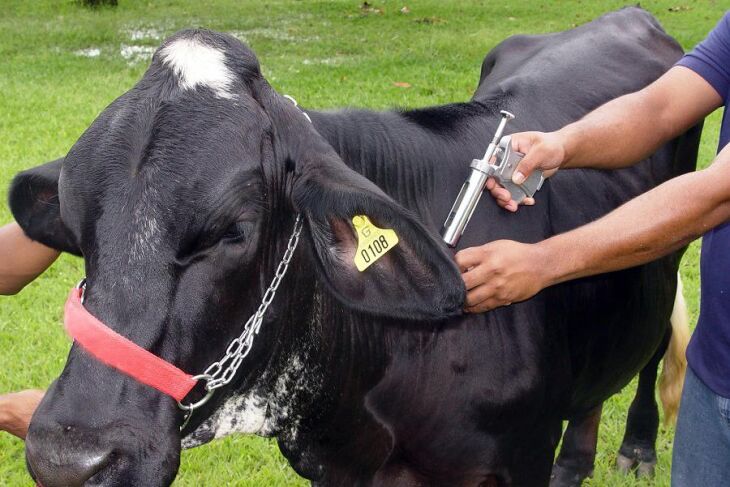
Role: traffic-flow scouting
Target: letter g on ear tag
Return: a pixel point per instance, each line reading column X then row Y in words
column 372, row 242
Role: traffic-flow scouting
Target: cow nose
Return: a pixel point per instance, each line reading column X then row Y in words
column 53, row 465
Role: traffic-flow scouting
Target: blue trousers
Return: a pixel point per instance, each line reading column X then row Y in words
column 701, row 456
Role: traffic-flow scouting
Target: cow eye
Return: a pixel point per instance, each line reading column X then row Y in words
column 237, row 231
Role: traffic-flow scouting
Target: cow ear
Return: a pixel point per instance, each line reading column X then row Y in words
column 35, row 206
column 416, row 279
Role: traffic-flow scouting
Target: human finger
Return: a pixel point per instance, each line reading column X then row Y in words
column 468, row 258
column 501, row 194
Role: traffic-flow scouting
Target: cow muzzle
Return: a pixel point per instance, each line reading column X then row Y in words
column 103, row 454
column 68, row 463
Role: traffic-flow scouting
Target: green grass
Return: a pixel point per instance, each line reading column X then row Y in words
column 326, row 54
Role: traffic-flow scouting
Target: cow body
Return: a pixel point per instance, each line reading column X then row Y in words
column 556, row 356
column 360, row 390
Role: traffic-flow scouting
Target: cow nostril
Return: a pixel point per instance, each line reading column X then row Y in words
column 57, row 467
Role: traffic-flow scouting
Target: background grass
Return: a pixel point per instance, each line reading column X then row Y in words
column 61, row 64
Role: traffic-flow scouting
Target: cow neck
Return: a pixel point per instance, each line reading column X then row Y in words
column 409, row 153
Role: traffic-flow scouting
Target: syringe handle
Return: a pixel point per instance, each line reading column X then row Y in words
column 506, row 117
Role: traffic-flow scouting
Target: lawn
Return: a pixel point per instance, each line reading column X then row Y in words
column 61, row 64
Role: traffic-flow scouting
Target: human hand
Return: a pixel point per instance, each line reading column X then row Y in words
column 543, row 150
column 501, row 273
column 16, row 409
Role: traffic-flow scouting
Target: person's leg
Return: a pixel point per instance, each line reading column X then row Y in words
column 16, row 410
column 701, row 454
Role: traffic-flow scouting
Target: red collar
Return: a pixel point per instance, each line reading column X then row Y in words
column 118, row 352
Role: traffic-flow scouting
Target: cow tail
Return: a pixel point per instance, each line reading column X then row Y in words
column 675, row 361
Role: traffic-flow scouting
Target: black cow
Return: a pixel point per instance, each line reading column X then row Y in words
column 182, row 195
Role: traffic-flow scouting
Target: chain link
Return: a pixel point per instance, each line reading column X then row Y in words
column 222, row 372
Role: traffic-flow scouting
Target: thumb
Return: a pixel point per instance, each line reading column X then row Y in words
column 525, row 167
column 524, row 143
column 537, row 154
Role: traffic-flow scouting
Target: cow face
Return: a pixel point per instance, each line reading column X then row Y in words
column 180, row 197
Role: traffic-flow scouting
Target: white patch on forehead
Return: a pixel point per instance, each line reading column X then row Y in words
column 197, row 64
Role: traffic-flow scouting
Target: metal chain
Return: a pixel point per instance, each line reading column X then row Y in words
column 240, row 347
column 222, row 372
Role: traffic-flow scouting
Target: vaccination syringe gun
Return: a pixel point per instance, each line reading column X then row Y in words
column 499, row 162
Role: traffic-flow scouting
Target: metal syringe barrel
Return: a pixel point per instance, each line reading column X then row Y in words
column 471, row 190
column 464, row 206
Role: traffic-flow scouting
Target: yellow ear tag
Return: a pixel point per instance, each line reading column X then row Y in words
column 372, row 242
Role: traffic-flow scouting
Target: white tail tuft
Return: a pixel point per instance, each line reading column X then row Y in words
column 675, row 361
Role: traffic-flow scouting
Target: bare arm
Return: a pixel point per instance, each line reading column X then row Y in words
column 16, row 409
column 21, row 259
column 646, row 228
column 632, row 127
column 618, row 133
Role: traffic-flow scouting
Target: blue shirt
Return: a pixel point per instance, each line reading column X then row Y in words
column 709, row 349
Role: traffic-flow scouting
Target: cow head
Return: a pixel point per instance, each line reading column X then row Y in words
column 181, row 197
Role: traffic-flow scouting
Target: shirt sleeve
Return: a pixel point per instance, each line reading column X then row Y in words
column 711, row 58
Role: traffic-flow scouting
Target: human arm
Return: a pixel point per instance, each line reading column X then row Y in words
column 644, row 229
column 16, row 409
column 618, row 133
column 21, row 259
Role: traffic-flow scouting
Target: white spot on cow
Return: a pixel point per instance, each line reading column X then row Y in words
column 90, row 52
column 241, row 414
column 289, row 378
column 276, row 404
column 244, row 413
column 256, row 413
column 147, row 234
column 197, row 64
